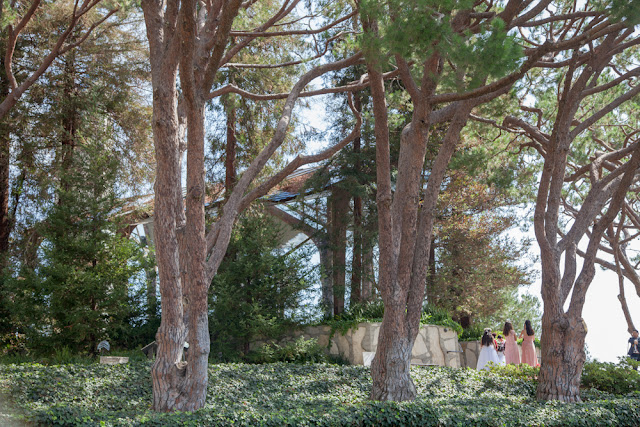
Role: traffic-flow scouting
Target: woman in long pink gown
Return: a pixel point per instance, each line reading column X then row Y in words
column 528, row 348
column 511, row 353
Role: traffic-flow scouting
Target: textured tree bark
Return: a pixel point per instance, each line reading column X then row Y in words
column 564, row 331
column 356, row 261
column 188, row 255
column 69, row 119
column 563, row 351
column 391, row 364
column 339, row 218
column 168, row 371
column 196, row 286
column 326, row 282
column 230, row 152
column 368, row 275
column 431, row 298
column 5, row 158
column 405, row 237
column 6, row 224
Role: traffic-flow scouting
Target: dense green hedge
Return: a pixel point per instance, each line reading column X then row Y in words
column 295, row 395
column 373, row 312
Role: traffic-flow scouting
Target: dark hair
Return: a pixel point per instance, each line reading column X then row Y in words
column 487, row 338
column 499, row 337
column 508, row 327
column 527, row 326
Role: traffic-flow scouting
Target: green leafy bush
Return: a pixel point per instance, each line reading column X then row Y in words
column 522, row 371
column 615, row 378
column 258, row 292
column 298, row 351
column 373, row 312
column 432, row 315
column 281, row 394
column 472, row 333
column 358, row 313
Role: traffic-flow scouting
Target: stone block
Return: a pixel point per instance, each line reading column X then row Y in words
column 420, row 347
column 370, row 339
column 437, row 356
column 356, row 349
column 340, row 345
column 113, row 360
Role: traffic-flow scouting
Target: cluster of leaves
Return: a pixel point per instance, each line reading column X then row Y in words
column 304, row 395
column 259, row 291
column 523, row 371
column 432, row 315
column 298, row 351
column 615, row 378
column 373, row 312
column 79, row 294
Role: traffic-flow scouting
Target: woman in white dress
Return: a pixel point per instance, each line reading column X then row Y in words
column 488, row 351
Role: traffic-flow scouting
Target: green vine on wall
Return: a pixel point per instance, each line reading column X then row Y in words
column 373, row 312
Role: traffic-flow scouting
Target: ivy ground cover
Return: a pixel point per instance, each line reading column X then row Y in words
column 281, row 394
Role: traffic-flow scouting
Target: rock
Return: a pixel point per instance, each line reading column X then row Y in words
column 433, row 344
column 113, row 360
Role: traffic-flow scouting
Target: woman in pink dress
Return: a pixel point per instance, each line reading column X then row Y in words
column 511, row 352
column 528, row 348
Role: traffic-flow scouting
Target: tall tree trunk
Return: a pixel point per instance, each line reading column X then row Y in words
column 356, row 261
column 339, row 217
column 368, row 276
column 69, row 121
column 620, row 252
column 326, row 282
column 408, row 238
column 5, row 158
column 392, row 378
column 196, row 286
column 168, row 371
column 563, row 352
column 230, row 152
column 431, row 297
column 6, row 223
column 368, row 270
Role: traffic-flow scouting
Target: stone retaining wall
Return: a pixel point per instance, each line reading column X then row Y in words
column 435, row 345
column 471, row 350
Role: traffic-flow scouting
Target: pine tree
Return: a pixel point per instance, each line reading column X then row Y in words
column 79, row 294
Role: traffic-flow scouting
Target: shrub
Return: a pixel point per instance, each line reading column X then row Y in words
column 615, row 378
column 522, row 371
column 373, row 312
column 259, row 291
column 472, row 333
column 281, row 394
column 298, row 351
column 432, row 315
